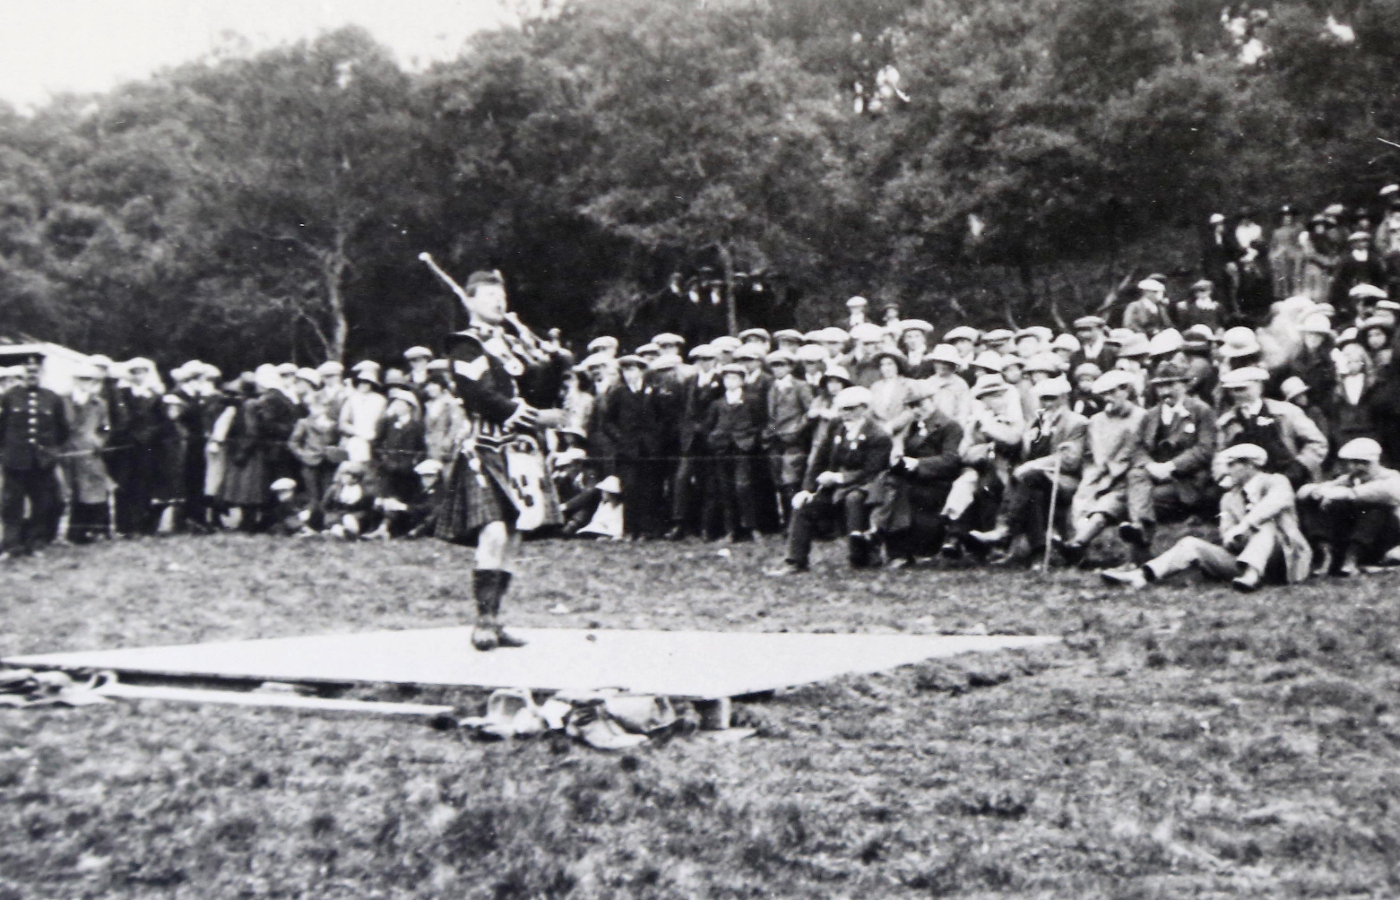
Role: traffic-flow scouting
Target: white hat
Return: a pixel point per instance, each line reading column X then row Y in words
column 1316, row 324
column 1045, row 362
column 1216, row 218
column 607, row 342
column 1112, row 380
column 833, row 335
column 1164, row 343
column 857, row 303
column 1369, row 291
column 1292, row 387
column 1244, row 377
column 82, row 370
column 1244, row 453
column 310, row 376
column 989, row 384
column 428, row 467
column 597, row 359
column 726, row 343
column 811, row 353
column 703, row 351
column 914, row 325
column 867, row 332
column 962, row 333
column 674, row 340
column 284, row 484
column 988, row 359
column 852, row 397
column 1240, row 341
column 1361, row 449
column 330, row 367
column 647, row 348
column 610, row 485
column 1151, row 284
column 946, row 353
column 418, row 353
column 286, row 368
column 1068, row 342
column 1052, row 387
column 665, row 362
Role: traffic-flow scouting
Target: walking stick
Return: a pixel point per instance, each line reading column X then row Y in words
column 1054, row 496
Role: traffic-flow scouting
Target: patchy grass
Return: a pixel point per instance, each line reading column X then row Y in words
column 1185, row 741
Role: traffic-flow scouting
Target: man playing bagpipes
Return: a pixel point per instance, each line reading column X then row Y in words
column 499, row 486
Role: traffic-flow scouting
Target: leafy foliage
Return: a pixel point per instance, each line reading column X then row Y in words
column 1028, row 156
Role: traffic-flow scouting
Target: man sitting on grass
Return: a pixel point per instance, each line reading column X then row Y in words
column 1352, row 519
column 1258, row 528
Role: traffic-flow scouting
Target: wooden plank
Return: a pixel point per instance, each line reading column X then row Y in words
column 270, row 701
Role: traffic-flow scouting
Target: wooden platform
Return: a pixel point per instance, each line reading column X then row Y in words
column 697, row 665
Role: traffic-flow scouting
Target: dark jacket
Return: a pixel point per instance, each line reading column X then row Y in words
column 696, row 408
column 629, row 420
column 861, row 458
column 33, row 426
column 731, row 427
column 1189, row 444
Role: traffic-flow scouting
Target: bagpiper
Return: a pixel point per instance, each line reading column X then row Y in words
column 498, row 485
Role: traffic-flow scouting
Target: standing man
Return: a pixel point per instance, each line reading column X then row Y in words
column 33, row 426
column 89, row 486
column 788, row 428
column 478, row 504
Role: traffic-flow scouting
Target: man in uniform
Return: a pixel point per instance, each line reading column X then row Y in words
column 479, row 502
column 33, row 426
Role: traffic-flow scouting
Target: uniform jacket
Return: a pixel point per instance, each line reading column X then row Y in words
column 860, row 458
column 485, row 371
column 1188, row 443
column 1263, row 499
column 734, row 426
column 33, row 426
column 1300, row 437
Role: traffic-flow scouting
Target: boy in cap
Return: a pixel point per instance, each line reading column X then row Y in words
column 287, row 517
column 414, row 514
column 733, row 430
column 856, row 309
column 787, row 429
column 1351, row 520
column 33, row 427
column 1092, row 333
column 842, row 470
column 1259, row 535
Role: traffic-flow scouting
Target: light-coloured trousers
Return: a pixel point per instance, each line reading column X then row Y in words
column 1215, row 561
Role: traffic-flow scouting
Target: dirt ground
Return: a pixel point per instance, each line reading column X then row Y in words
column 1184, row 741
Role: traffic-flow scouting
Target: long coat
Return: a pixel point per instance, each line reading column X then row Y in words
column 1115, row 443
column 82, row 454
column 1269, row 498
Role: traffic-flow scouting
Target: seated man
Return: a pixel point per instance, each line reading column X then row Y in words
column 1296, row 446
column 911, row 494
column 840, row 474
column 1171, row 481
column 1114, row 444
column 1054, row 452
column 1352, row 519
column 415, row 515
column 1258, row 530
column 991, row 442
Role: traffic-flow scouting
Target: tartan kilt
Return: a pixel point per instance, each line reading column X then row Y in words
column 476, row 496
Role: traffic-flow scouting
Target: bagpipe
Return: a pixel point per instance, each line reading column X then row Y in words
column 529, row 485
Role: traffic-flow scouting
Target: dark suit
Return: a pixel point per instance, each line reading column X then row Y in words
column 732, row 433
column 630, row 423
column 33, row 426
column 910, row 502
column 1051, row 445
column 693, row 469
column 860, row 459
column 1189, row 444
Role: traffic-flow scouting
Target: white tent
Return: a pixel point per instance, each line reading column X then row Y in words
column 59, row 362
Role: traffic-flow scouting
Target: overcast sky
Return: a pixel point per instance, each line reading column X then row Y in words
column 51, row 46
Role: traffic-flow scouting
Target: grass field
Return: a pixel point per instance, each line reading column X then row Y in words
column 1183, row 742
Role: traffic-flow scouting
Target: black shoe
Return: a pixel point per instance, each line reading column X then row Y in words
column 951, row 549
column 1072, row 552
column 1132, row 534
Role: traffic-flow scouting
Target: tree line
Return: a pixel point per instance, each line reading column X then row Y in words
column 634, row 165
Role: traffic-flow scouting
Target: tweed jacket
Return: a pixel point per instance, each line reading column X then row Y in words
column 1265, row 499
column 1188, row 443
